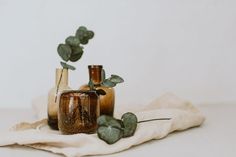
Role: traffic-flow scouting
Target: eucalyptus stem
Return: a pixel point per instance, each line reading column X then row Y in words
column 143, row 121
column 58, row 84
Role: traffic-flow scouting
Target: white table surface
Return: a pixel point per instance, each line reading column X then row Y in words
column 215, row 138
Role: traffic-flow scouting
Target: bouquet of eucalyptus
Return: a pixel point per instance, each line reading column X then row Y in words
column 72, row 50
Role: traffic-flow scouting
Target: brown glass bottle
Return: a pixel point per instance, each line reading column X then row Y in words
column 78, row 112
column 107, row 101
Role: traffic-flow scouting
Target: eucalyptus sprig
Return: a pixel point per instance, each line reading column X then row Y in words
column 112, row 81
column 72, row 49
column 112, row 130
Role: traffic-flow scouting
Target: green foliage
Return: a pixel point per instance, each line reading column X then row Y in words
column 67, row 66
column 108, row 83
column 109, row 134
column 111, row 130
column 98, row 91
column 64, row 51
column 76, row 54
column 111, row 81
column 72, row 41
column 84, row 35
column 116, row 79
column 130, row 124
column 105, row 120
column 72, row 49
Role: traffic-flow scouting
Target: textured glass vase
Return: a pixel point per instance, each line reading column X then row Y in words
column 107, row 101
column 78, row 112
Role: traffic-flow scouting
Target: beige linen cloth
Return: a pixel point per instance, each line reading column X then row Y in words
column 37, row 135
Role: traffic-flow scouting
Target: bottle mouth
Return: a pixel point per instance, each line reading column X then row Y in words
column 71, row 91
column 95, row 66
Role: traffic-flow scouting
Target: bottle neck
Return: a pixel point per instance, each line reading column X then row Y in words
column 62, row 77
column 95, row 74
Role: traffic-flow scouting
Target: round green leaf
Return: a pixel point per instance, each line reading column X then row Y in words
column 109, row 134
column 84, row 35
column 108, row 120
column 64, row 51
column 80, row 32
column 83, row 40
column 121, row 123
column 75, row 57
column 76, row 54
column 90, row 34
column 108, row 83
column 72, row 41
column 77, row 50
column 130, row 124
column 109, row 129
column 116, row 79
column 82, row 28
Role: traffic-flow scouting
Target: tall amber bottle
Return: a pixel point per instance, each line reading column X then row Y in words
column 53, row 96
column 107, row 101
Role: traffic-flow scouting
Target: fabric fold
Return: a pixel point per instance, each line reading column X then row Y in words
column 38, row 135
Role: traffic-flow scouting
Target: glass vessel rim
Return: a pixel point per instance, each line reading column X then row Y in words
column 95, row 66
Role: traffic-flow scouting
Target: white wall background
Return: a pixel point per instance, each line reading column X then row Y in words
column 183, row 46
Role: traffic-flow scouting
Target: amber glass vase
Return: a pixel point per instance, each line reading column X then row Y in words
column 53, row 96
column 78, row 112
column 107, row 101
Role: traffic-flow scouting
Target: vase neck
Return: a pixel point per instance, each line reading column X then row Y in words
column 62, row 76
column 95, row 73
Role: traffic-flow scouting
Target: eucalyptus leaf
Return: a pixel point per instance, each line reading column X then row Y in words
column 109, row 134
column 76, row 54
column 84, row 40
column 109, row 129
column 105, row 120
column 84, row 35
column 80, row 32
column 72, row 41
column 90, row 34
column 130, row 124
column 116, row 79
column 64, row 51
column 108, row 83
column 82, row 28
column 67, row 66
column 121, row 123
column 75, row 57
column 77, row 49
